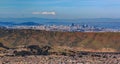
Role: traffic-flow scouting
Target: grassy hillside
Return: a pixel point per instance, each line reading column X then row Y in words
column 77, row 40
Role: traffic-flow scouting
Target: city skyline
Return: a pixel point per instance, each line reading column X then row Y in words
column 60, row 9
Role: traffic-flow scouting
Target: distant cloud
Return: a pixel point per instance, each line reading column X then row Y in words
column 45, row 13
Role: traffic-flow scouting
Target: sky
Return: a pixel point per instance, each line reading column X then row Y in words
column 62, row 9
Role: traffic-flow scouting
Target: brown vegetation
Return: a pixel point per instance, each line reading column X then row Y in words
column 109, row 41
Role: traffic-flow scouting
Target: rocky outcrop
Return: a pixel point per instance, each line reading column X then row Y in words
column 24, row 50
column 1, row 45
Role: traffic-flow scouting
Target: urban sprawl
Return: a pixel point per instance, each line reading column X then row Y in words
column 65, row 28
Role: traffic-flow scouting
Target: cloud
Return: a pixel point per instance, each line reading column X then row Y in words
column 44, row 13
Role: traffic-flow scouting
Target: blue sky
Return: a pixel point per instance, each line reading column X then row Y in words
column 70, row 9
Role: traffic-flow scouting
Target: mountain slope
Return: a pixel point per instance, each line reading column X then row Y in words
column 96, row 41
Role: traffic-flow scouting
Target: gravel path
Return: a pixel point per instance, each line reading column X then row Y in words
column 58, row 60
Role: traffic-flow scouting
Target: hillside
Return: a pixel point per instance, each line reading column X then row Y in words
column 107, row 41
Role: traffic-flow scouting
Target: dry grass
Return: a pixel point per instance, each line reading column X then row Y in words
column 106, row 41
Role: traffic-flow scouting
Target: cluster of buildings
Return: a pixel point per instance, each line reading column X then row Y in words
column 65, row 28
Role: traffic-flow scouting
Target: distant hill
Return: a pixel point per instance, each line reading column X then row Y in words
column 6, row 23
column 42, row 20
column 84, row 41
column 97, row 22
column 28, row 23
column 19, row 24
